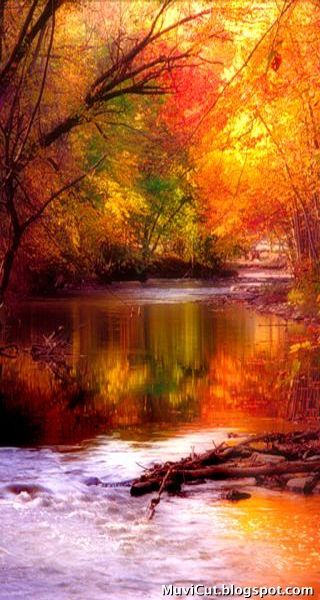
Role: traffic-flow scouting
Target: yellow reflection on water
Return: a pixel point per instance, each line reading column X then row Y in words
column 282, row 532
column 161, row 364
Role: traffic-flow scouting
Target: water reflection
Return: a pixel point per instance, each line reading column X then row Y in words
column 133, row 364
column 158, row 378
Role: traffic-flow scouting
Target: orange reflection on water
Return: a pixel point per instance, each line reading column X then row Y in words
column 167, row 364
column 281, row 535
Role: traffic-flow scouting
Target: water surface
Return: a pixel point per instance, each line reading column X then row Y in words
column 151, row 373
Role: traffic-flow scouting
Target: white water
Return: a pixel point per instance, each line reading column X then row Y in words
column 92, row 543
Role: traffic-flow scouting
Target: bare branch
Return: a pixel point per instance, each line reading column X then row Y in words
column 41, row 91
column 109, row 84
column 26, row 39
column 59, row 192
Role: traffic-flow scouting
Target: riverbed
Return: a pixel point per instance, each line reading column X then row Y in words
column 152, row 372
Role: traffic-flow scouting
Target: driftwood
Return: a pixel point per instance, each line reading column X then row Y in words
column 9, row 351
column 264, row 457
column 224, row 472
column 155, row 501
column 53, row 351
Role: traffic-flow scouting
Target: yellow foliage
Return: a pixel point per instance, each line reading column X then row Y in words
column 301, row 346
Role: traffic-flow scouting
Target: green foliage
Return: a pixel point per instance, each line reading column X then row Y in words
column 306, row 291
column 94, row 150
column 158, row 186
column 296, row 297
column 206, row 252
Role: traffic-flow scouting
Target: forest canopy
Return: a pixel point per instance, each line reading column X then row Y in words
column 134, row 130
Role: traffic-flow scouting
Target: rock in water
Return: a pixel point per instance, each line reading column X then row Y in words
column 92, row 481
column 235, row 495
column 33, row 489
column 298, row 484
column 267, row 459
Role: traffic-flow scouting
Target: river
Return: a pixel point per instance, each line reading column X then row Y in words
column 151, row 372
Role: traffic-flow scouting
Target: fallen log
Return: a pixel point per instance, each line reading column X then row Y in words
column 140, row 488
column 218, row 472
column 155, row 501
column 239, row 461
column 235, row 472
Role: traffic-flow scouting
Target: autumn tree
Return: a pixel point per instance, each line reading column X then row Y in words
column 259, row 171
column 67, row 66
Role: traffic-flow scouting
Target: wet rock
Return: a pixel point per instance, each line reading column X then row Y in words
column 298, row 484
column 92, row 481
column 272, row 482
column 236, row 495
column 33, row 489
column 267, row 459
column 287, row 476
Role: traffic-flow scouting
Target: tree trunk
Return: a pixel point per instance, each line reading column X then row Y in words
column 7, row 265
column 1, row 27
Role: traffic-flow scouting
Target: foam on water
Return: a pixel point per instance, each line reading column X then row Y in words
column 75, row 541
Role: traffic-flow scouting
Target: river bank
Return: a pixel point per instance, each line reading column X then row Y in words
column 267, row 291
column 264, row 287
column 53, row 281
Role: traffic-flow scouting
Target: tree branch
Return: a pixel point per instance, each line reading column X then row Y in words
column 41, row 91
column 26, row 39
column 123, row 71
column 58, row 193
